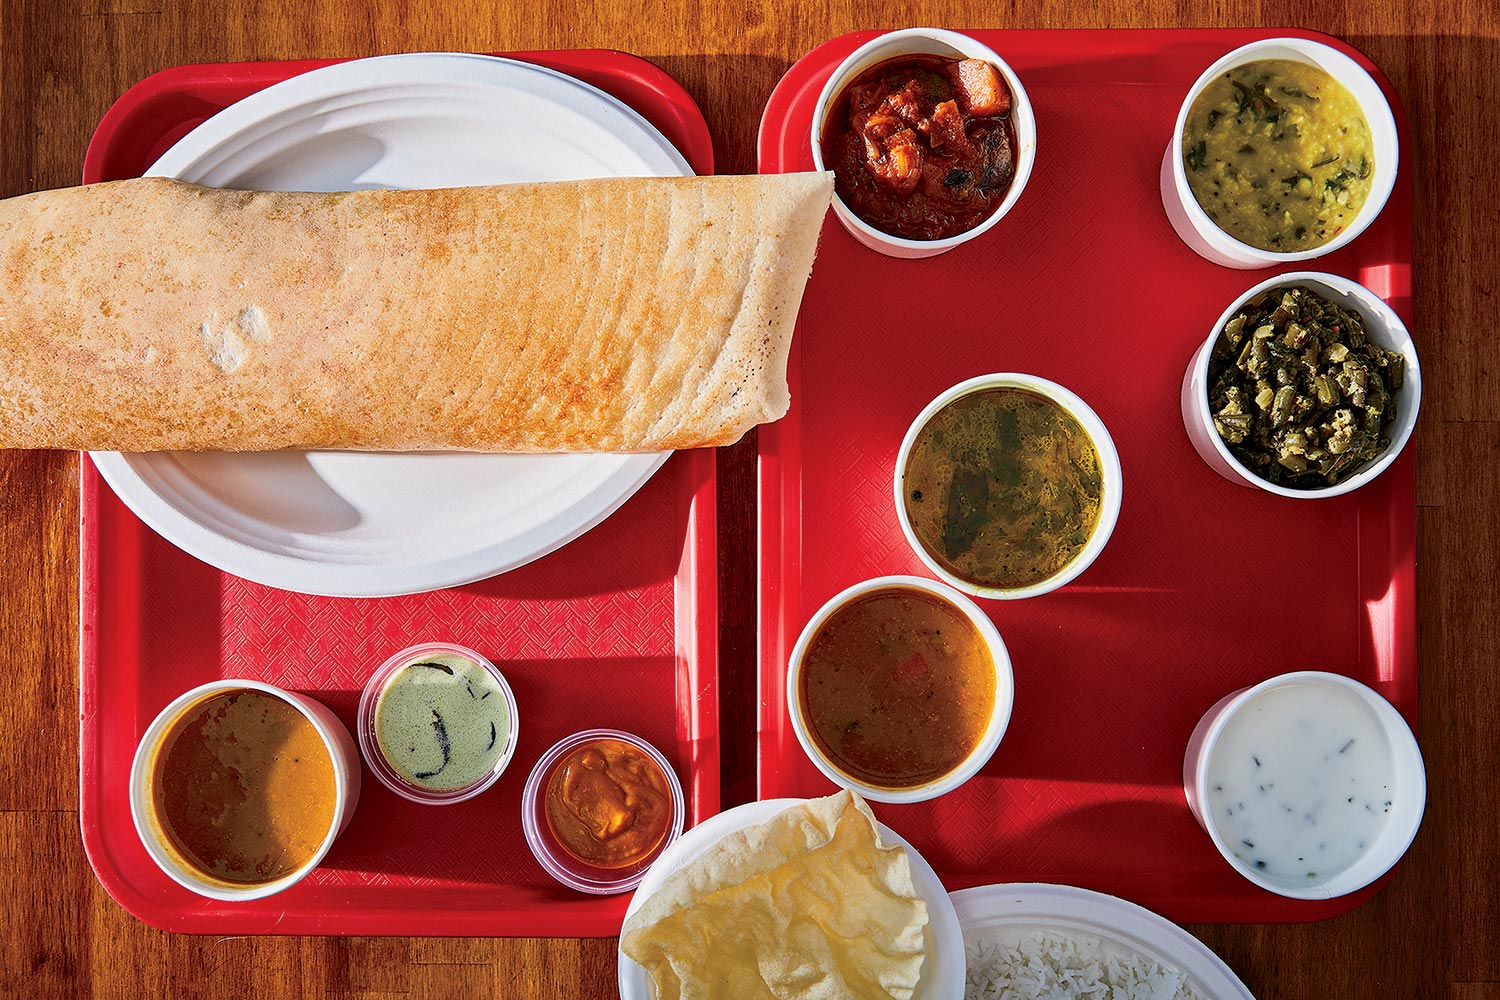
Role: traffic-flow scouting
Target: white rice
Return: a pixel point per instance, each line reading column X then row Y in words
column 1050, row 965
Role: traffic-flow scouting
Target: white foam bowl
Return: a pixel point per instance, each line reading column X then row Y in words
column 1202, row 234
column 1109, row 468
column 1408, row 799
column 346, row 783
column 1384, row 328
column 1005, row 692
column 938, row 42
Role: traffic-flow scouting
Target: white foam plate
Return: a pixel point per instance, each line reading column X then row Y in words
column 354, row 524
column 943, row 969
column 1007, row 913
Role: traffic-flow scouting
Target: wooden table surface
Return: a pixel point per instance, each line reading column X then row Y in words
column 1434, row 932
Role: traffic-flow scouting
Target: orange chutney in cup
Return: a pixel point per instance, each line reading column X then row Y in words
column 608, row 804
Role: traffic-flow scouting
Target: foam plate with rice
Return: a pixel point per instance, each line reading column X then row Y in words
column 1034, row 941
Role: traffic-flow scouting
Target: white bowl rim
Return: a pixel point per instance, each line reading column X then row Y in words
column 999, row 716
column 1316, row 53
column 145, row 754
column 1383, row 317
column 1109, row 467
column 1392, row 723
column 1021, row 109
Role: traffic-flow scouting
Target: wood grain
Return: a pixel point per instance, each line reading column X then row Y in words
column 1431, row 933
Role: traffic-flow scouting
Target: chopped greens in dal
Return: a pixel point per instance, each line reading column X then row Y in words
column 1278, row 154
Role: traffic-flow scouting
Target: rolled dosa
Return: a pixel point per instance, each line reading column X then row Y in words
column 623, row 314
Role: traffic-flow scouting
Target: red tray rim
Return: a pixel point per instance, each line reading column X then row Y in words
column 777, row 492
column 677, row 116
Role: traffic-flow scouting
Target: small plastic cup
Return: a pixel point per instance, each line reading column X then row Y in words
column 369, row 745
column 1385, row 330
column 927, row 41
column 1408, row 800
column 1005, row 692
column 346, row 784
column 561, row 865
column 1202, row 235
column 1109, row 467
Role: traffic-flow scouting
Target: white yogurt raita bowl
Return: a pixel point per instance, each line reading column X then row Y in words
column 1304, row 786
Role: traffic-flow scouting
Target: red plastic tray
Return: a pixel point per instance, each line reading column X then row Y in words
column 1204, row 587
column 616, row 629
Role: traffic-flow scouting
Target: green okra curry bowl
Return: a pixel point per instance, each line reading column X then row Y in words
column 1347, row 405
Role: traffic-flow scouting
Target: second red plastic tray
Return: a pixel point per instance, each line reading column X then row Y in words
column 1204, row 587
